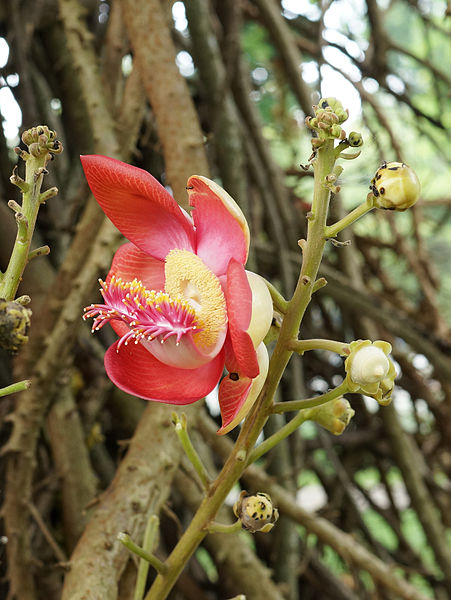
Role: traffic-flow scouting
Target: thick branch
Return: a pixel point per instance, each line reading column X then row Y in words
column 178, row 126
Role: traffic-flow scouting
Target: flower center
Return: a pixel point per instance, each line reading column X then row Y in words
column 147, row 313
column 187, row 277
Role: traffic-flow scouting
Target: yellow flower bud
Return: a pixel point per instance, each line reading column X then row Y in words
column 395, row 186
column 255, row 512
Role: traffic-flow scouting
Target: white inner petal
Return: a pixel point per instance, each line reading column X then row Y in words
column 370, row 365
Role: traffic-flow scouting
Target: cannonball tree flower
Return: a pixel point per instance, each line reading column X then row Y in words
column 177, row 293
column 369, row 369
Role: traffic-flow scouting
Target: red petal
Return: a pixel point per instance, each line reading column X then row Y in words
column 221, row 234
column 138, row 205
column 239, row 309
column 232, row 396
column 135, row 371
column 130, row 262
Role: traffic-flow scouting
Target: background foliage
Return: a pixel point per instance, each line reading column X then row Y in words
column 103, row 75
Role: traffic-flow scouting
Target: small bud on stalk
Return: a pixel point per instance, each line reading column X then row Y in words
column 256, row 512
column 14, row 324
column 395, row 186
column 370, row 371
column 333, row 416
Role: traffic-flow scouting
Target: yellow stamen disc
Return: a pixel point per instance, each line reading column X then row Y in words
column 189, row 278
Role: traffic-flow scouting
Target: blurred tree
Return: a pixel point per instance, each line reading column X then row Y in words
column 222, row 89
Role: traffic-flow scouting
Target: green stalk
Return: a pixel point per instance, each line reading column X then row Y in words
column 181, row 429
column 236, row 463
column 156, row 563
column 225, row 528
column 150, row 536
column 333, row 230
column 26, row 221
column 281, row 407
column 301, row 346
column 302, row 416
column 19, row 386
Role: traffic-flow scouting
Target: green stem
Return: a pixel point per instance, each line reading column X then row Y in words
column 277, row 437
column 278, row 300
column 281, row 407
column 26, row 221
column 222, row 528
column 235, row 465
column 301, row 346
column 149, row 543
column 156, row 563
column 181, row 430
column 20, row 386
column 333, row 230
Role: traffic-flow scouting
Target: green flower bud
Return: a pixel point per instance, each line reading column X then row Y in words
column 14, row 324
column 255, row 512
column 333, row 416
column 335, row 106
column 355, row 139
column 336, row 131
column 369, row 370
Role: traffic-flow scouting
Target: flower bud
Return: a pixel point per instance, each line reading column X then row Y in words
column 369, row 369
column 355, row 139
column 333, row 416
column 395, row 186
column 255, row 512
column 14, row 324
column 370, row 365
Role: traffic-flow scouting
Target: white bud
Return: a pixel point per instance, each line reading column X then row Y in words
column 369, row 365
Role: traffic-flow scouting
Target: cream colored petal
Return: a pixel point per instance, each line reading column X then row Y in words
column 262, row 308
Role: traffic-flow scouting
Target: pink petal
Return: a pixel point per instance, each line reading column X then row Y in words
column 239, row 309
column 130, row 262
column 238, row 394
column 222, row 231
column 138, row 205
column 232, row 396
column 135, row 371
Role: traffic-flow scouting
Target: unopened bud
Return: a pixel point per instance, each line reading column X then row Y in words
column 255, row 512
column 333, row 416
column 369, row 369
column 395, row 186
column 14, row 324
column 355, row 139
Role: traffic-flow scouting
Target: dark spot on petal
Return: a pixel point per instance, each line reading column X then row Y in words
column 393, row 168
column 254, row 515
column 378, row 175
column 234, row 376
column 324, row 104
column 382, row 191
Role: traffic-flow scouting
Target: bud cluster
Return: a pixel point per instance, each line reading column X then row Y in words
column 41, row 141
column 329, row 114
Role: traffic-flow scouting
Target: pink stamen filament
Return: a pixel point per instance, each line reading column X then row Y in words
column 149, row 314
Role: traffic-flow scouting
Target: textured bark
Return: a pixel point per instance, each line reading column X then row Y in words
column 177, row 122
column 140, row 487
